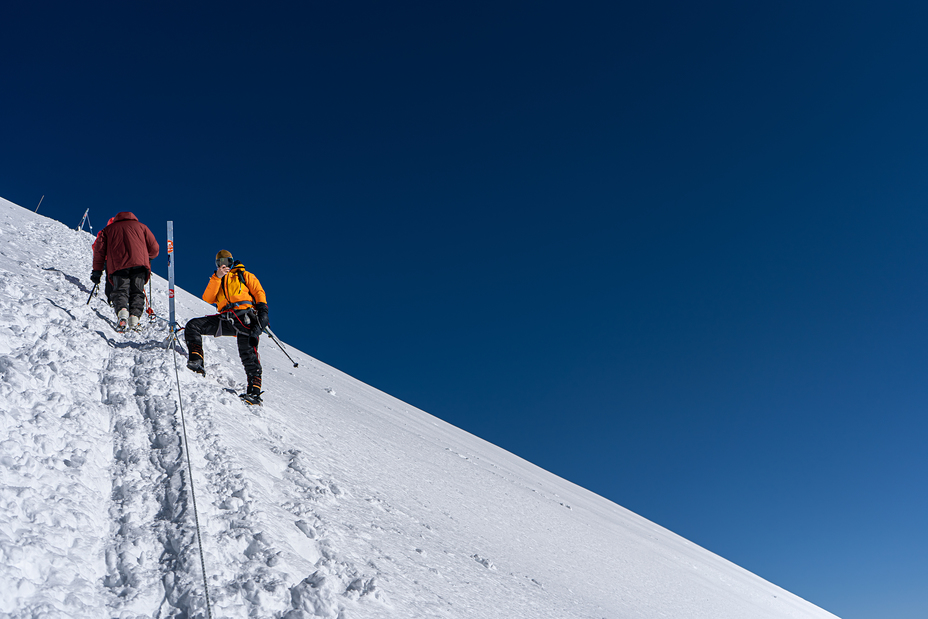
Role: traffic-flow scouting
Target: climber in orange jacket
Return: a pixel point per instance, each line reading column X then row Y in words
column 243, row 313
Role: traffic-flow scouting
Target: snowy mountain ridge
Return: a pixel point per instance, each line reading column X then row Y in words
column 332, row 500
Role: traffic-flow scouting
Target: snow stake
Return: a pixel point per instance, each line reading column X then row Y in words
column 172, row 323
column 83, row 219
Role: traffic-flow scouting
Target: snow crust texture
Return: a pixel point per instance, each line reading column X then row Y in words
column 332, row 500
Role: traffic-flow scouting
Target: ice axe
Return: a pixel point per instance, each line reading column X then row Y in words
column 92, row 292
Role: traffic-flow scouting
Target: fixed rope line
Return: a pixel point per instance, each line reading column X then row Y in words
column 193, row 499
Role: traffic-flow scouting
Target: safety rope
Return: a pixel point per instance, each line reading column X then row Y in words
column 196, row 518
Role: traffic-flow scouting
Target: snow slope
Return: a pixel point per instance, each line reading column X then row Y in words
column 332, row 500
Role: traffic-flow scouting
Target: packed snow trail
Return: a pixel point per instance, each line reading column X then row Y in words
column 117, row 439
column 119, row 446
column 331, row 500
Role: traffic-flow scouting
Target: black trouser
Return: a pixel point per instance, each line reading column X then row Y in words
column 129, row 289
column 108, row 289
column 108, row 285
column 227, row 324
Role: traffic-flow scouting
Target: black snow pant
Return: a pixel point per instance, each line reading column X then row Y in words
column 108, row 285
column 129, row 290
column 108, row 289
column 227, row 324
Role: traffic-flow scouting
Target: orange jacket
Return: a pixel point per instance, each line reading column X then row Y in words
column 239, row 289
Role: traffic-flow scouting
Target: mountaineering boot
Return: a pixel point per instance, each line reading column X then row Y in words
column 195, row 360
column 122, row 319
column 253, row 395
column 133, row 322
column 195, row 363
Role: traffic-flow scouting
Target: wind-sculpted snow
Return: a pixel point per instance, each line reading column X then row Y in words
column 332, row 500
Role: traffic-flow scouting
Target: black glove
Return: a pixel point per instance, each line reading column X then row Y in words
column 261, row 311
column 95, row 276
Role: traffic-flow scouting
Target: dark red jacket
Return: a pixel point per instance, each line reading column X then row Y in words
column 124, row 244
column 100, row 233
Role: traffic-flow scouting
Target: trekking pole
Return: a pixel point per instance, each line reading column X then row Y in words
column 148, row 299
column 92, row 292
column 276, row 341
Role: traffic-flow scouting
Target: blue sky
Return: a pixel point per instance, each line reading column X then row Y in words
column 672, row 253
